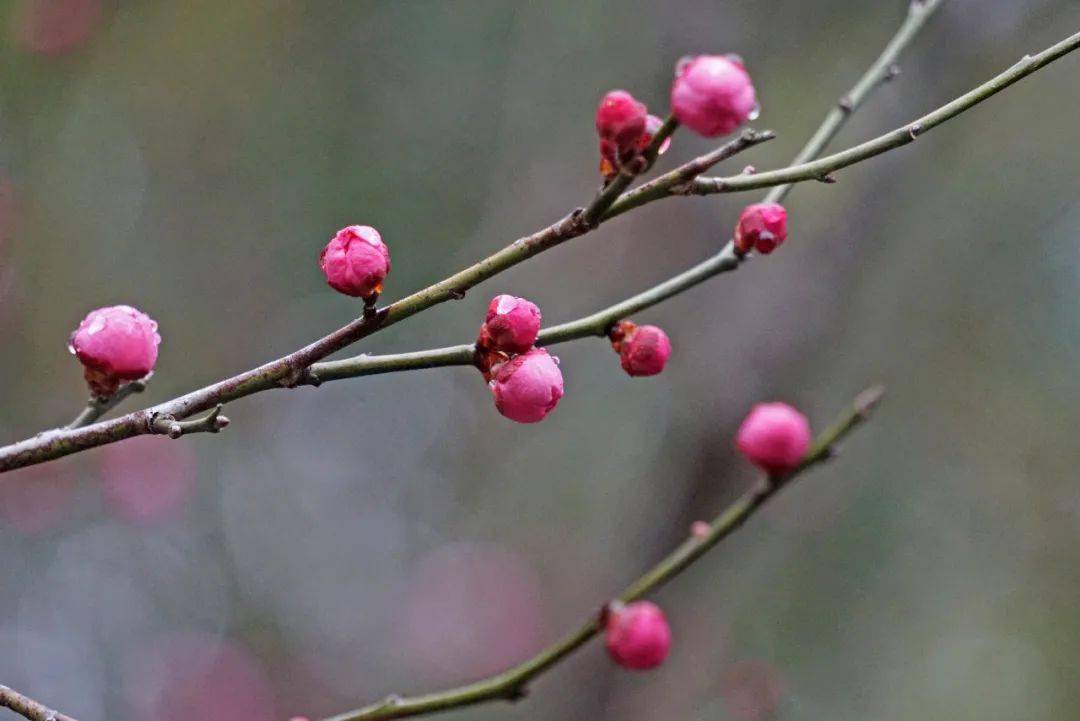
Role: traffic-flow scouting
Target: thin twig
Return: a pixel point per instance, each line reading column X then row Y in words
column 292, row 369
column 511, row 684
column 97, row 407
column 28, row 707
column 600, row 322
column 301, row 367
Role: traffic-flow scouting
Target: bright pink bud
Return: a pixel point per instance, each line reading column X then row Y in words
column 621, row 119
column 761, row 227
column 637, row 635
column 652, row 127
column 712, row 95
column 645, row 351
column 114, row 344
column 528, row 386
column 356, row 261
column 775, row 437
column 511, row 325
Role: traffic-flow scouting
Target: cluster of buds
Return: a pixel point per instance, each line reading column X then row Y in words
column 525, row 381
column 626, row 129
column 643, row 350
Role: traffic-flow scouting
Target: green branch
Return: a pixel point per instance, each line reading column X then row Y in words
column 512, row 684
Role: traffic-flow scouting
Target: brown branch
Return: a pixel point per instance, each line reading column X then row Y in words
column 297, row 367
column 293, row 369
column 28, row 707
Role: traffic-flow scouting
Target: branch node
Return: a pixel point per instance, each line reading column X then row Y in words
column 846, row 104
column 295, row 376
column 580, row 222
column 915, row 130
column 891, row 74
column 456, row 294
column 165, row 424
column 828, row 178
column 370, row 307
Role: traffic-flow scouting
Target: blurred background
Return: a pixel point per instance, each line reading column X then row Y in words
column 394, row 533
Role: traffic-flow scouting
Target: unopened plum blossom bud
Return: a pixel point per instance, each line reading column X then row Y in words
column 761, row 227
column 643, row 350
column 637, row 635
column 527, row 387
column 712, row 95
column 511, row 325
column 774, row 437
column 646, row 352
column 114, row 344
column 620, row 119
column 356, row 262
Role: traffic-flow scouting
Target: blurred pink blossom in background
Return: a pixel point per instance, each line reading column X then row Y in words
column 148, row 479
column 752, row 690
column 194, row 675
column 55, row 27
column 472, row 610
column 37, row 499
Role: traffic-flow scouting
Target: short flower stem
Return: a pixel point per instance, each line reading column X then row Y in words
column 97, row 407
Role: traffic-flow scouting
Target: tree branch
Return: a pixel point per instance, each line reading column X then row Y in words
column 299, row 367
column 28, row 707
column 511, row 684
column 292, row 369
column 97, row 407
column 600, row 322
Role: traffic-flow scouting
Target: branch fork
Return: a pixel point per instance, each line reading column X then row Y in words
column 166, row 424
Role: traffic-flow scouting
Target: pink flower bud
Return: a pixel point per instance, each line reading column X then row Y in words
column 511, row 325
column 637, row 635
column 712, row 95
column 620, row 119
column 644, row 351
column 356, row 262
column 761, row 227
column 775, row 437
column 528, row 386
column 115, row 344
